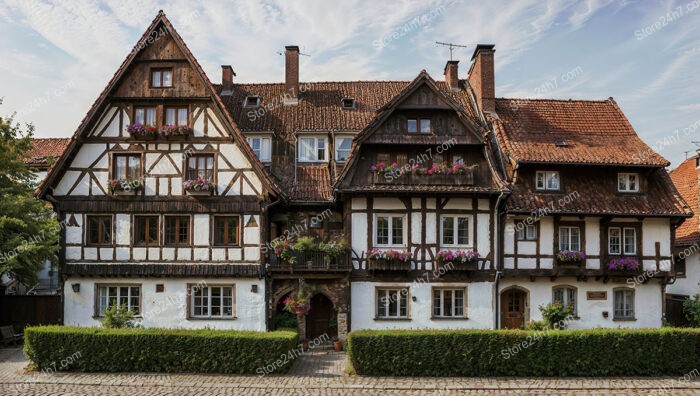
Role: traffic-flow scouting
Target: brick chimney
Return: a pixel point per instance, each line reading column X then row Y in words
column 481, row 77
column 452, row 75
column 291, row 74
column 227, row 74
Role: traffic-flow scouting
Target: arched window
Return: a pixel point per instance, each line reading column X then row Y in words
column 565, row 295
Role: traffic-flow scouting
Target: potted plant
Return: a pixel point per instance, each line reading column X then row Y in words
column 337, row 345
column 306, row 245
column 140, row 131
column 624, row 264
column 285, row 251
column 389, row 259
column 125, row 186
column 199, row 186
column 334, row 249
column 571, row 257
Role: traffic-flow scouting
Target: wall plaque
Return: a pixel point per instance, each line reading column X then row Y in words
column 597, row 295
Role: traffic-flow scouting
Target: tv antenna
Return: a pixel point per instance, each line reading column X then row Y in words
column 451, row 46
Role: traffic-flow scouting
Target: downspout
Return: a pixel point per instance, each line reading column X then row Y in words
column 499, row 255
column 61, row 251
column 268, row 283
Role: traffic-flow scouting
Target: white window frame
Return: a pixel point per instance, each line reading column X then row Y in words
column 542, row 179
column 384, row 292
column 101, row 307
column 391, row 229
column 455, row 223
column 315, row 148
column 440, row 304
column 623, row 232
column 338, row 140
column 263, row 158
column 626, row 294
column 569, row 242
column 624, row 179
column 568, row 293
column 208, row 289
column 525, row 234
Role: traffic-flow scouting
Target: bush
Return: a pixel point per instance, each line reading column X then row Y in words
column 537, row 325
column 118, row 318
column 157, row 350
column 556, row 314
column 691, row 308
column 598, row 352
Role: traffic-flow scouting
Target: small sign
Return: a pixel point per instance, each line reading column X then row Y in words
column 597, row 295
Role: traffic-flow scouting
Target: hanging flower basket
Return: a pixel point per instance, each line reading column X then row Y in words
column 299, row 302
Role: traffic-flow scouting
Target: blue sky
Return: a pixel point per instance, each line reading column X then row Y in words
column 58, row 55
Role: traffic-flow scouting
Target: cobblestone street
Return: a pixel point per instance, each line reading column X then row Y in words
column 315, row 373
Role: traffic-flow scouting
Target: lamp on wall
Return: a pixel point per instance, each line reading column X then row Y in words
column 76, row 287
column 414, row 299
column 254, row 288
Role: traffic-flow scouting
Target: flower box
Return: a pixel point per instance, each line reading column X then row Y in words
column 125, row 186
column 140, row 131
column 571, row 258
column 391, row 260
column 175, row 131
column 624, row 266
column 458, row 260
column 199, row 187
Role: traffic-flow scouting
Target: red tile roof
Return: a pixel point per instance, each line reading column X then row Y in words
column 43, row 149
column 685, row 177
column 313, row 184
column 590, row 192
column 595, row 132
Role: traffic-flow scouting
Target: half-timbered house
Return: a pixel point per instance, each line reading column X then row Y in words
column 179, row 195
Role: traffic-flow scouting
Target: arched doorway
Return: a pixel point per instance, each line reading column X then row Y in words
column 514, row 308
column 321, row 319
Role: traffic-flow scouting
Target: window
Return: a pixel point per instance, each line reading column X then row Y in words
column 388, row 230
column 627, row 182
column 679, row 266
column 99, row 230
column 448, row 303
column 547, row 180
column 528, row 232
column 177, row 230
column 312, row 149
column 348, row 103
column 622, row 240
column 252, row 101
column 342, row 148
column 624, row 304
column 226, row 230
column 261, row 147
column 569, row 238
column 416, row 125
column 127, row 166
column 120, row 295
column 566, row 295
column 392, row 303
column 176, row 116
column 146, row 230
column 161, row 78
column 145, row 115
column 212, row 302
column 200, row 166
column 454, row 230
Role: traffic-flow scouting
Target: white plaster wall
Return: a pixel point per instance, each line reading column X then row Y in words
column 479, row 307
column 168, row 309
column 648, row 301
column 689, row 285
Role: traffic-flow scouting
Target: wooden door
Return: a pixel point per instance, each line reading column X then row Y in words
column 320, row 318
column 513, row 309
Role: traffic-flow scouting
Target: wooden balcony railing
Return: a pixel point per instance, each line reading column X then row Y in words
column 316, row 261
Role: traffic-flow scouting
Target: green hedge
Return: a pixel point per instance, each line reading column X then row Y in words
column 157, row 350
column 600, row 352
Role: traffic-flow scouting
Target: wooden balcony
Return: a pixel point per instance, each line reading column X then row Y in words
column 464, row 179
column 311, row 261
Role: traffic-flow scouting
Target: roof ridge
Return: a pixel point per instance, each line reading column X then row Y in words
column 559, row 100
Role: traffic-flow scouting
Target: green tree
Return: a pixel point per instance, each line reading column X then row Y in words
column 28, row 228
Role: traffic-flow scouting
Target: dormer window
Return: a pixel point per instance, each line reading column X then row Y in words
column 161, row 78
column 628, row 182
column 547, row 180
column 348, row 103
column 312, row 149
column 252, row 101
column 416, row 125
column 261, row 146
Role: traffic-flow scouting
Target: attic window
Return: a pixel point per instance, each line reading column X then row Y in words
column 561, row 143
column 348, row 103
column 252, row 101
column 697, row 162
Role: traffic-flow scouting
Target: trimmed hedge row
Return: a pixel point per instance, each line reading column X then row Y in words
column 156, row 350
column 599, row 352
